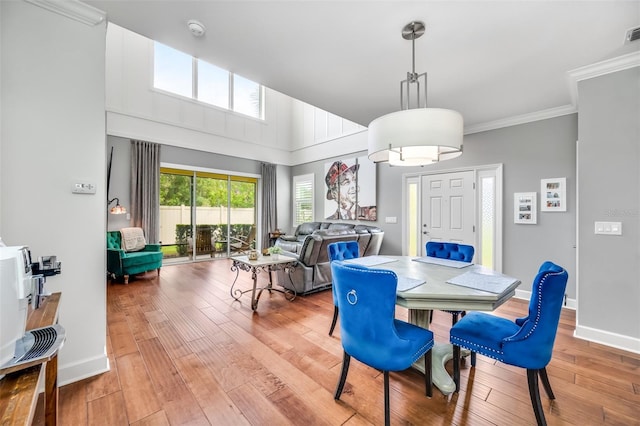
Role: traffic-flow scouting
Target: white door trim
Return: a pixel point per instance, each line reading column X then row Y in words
column 496, row 168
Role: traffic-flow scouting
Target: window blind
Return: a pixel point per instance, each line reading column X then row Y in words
column 303, row 199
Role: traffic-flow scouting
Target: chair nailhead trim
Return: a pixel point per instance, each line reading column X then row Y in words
column 538, row 312
column 492, row 353
column 424, row 349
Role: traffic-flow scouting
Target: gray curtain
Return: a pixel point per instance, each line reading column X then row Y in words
column 269, row 209
column 145, row 188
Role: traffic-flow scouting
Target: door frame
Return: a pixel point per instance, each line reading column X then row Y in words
column 482, row 170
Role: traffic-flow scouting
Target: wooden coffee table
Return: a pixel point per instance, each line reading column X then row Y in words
column 263, row 264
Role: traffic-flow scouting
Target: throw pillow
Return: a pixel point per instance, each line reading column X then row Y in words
column 132, row 239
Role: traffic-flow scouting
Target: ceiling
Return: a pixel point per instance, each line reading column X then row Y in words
column 489, row 60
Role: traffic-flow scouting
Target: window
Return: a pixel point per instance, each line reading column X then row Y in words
column 179, row 73
column 413, row 240
column 172, row 71
column 302, row 199
column 246, row 96
column 487, row 220
column 213, row 85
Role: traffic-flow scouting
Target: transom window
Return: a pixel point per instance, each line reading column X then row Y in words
column 178, row 73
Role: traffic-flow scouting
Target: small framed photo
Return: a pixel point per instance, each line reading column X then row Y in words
column 553, row 194
column 525, row 208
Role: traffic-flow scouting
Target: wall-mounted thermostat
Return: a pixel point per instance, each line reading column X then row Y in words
column 83, row 188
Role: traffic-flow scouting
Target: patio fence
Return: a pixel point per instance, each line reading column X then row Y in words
column 171, row 216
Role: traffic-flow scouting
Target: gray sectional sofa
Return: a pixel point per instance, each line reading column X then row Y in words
column 309, row 246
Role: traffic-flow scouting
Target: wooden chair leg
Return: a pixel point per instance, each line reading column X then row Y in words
column 335, row 319
column 454, row 321
column 387, row 410
column 346, row 359
column 456, row 366
column 534, row 393
column 428, row 379
column 545, row 382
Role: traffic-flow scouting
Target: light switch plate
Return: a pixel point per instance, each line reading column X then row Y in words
column 608, row 228
column 390, row 219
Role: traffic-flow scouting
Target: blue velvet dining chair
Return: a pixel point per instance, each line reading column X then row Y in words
column 526, row 342
column 340, row 251
column 453, row 251
column 369, row 330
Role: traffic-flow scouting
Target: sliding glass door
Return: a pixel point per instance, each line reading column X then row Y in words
column 206, row 215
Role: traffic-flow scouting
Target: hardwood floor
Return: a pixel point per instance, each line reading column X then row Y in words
column 182, row 351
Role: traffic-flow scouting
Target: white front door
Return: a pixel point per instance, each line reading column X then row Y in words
column 448, row 208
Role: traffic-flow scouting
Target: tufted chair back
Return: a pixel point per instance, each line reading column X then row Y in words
column 532, row 345
column 367, row 301
column 113, row 240
column 453, row 251
column 341, row 250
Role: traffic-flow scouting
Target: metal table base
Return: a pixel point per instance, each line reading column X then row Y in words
column 263, row 264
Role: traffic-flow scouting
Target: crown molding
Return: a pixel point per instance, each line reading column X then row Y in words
column 521, row 119
column 598, row 69
column 73, row 9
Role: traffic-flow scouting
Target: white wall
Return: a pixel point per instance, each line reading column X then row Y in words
column 53, row 134
column 136, row 110
column 1, row 132
column 609, row 190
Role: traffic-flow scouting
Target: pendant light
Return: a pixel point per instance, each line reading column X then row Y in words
column 416, row 135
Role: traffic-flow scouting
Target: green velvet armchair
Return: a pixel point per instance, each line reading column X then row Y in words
column 121, row 263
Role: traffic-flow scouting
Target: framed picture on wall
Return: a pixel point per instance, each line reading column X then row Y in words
column 351, row 189
column 524, row 207
column 553, row 195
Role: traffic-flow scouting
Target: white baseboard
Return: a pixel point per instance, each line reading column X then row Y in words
column 70, row 373
column 607, row 338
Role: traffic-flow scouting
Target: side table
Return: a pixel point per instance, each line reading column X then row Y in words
column 262, row 264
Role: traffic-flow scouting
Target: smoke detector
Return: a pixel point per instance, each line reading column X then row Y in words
column 197, row 28
column 632, row 34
